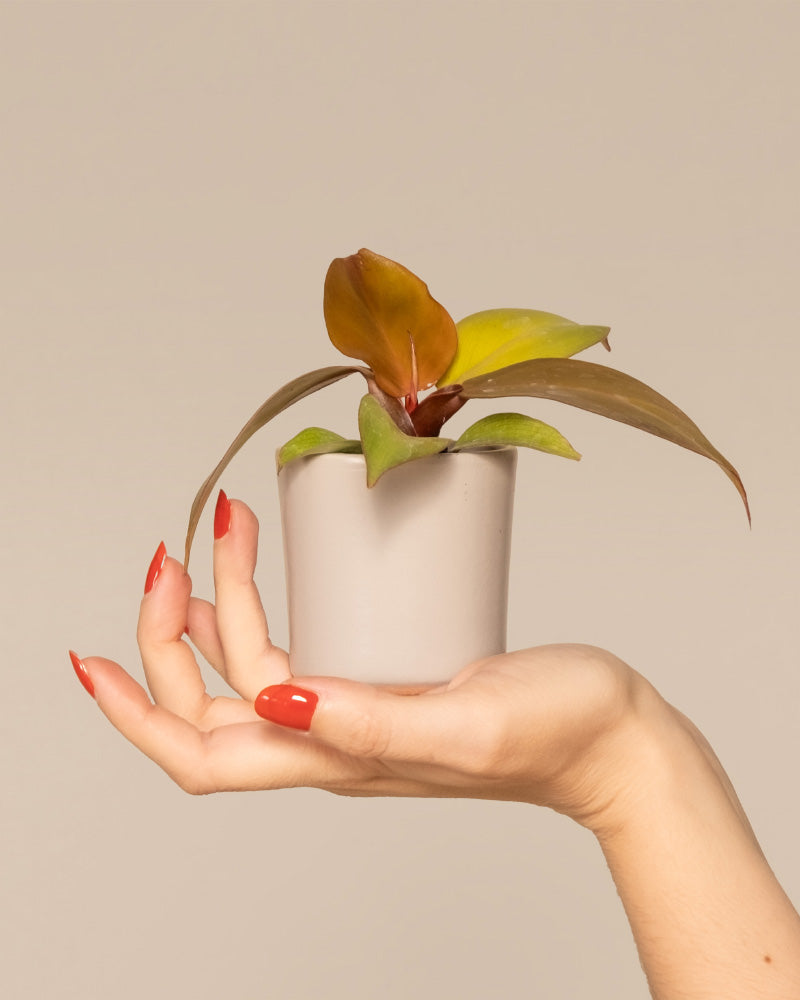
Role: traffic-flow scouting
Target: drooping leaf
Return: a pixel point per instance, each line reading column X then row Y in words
column 385, row 446
column 315, row 441
column 496, row 338
column 605, row 391
column 290, row 393
column 518, row 431
column 380, row 312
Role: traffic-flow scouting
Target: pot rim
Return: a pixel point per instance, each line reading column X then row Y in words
column 358, row 458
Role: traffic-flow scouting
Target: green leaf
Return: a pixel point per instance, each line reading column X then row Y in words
column 515, row 430
column 315, row 441
column 607, row 392
column 385, row 445
column 497, row 338
column 290, row 393
column 393, row 406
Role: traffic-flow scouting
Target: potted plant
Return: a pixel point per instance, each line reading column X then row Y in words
column 381, row 586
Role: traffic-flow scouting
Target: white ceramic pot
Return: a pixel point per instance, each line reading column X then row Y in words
column 406, row 582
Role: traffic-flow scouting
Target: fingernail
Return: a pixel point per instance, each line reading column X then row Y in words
column 155, row 567
column 82, row 672
column 287, row 705
column 222, row 515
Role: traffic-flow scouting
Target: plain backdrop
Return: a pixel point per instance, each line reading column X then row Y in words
column 174, row 180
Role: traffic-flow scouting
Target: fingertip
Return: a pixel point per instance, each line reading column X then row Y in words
column 156, row 565
column 117, row 694
column 243, row 516
column 347, row 715
column 105, row 680
column 161, row 566
column 236, row 554
column 222, row 516
column 287, row 705
column 163, row 613
column 81, row 672
column 370, row 721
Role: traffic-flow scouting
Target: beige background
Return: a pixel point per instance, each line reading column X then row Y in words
column 175, row 178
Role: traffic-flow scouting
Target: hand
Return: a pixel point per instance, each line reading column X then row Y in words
column 540, row 725
column 571, row 727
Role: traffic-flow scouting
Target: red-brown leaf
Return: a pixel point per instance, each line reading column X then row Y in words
column 380, row 312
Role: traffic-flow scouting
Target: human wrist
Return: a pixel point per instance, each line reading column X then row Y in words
column 654, row 761
column 688, row 869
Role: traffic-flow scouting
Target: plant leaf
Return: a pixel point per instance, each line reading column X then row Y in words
column 393, row 407
column 496, row 338
column 516, row 430
column 290, row 393
column 385, row 445
column 605, row 391
column 436, row 409
column 380, row 312
column 315, row 441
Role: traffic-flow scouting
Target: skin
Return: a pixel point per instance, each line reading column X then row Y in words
column 569, row 727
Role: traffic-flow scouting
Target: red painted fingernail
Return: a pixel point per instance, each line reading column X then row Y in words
column 287, row 705
column 155, row 567
column 82, row 672
column 222, row 515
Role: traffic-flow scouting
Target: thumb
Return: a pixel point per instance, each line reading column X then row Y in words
column 367, row 721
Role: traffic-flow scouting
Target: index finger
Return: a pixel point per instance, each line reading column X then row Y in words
column 239, row 756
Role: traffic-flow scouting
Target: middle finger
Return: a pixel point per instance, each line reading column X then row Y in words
column 251, row 661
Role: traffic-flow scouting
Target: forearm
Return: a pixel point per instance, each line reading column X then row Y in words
column 709, row 917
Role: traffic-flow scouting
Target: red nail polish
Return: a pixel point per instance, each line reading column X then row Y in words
column 287, row 705
column 155, row 567
column 82, row 672
column 222, row 516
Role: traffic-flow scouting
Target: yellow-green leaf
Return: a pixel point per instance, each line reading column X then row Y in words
column 385, row 446
column 605, row 391
column 518, row 431
column 496, row 338
column 299, row 387
column 315, row 441
column 380, row 312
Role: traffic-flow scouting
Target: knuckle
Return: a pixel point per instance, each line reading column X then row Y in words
column 193, row 782
column 367, row 736
column 195, row 775
column 488, row 754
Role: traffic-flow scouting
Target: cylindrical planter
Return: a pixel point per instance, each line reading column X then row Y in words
column 403, row 583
